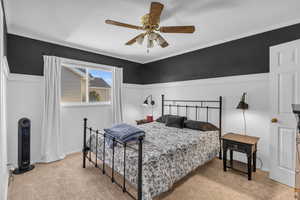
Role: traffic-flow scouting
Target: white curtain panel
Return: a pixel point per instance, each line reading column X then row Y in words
column 117, row 106
column 51, row 134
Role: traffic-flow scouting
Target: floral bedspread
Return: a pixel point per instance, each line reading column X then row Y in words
column 169, row 154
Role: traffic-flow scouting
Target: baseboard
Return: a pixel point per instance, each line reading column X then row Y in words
column 73, row 151
column 6, row 176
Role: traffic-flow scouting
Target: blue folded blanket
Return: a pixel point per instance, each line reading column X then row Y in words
column 124, row 133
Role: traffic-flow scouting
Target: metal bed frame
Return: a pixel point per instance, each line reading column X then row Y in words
column 86, row 152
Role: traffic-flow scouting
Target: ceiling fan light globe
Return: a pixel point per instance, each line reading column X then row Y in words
column 152, row 36
column 150, row 44
column 159, row 40
column 140, row 40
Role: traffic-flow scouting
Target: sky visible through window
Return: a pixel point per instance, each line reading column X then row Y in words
column 107, row 76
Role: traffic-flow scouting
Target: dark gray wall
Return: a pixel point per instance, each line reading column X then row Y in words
column 25, row 56
column 248, row 55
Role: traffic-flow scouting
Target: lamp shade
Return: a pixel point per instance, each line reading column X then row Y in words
column 242, row 104
column 146, row 102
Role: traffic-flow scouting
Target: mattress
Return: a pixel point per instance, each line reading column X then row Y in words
column 169, row 154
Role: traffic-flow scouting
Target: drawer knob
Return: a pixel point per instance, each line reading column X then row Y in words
column 274, row 120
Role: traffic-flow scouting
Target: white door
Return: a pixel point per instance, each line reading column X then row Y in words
column 285, row 86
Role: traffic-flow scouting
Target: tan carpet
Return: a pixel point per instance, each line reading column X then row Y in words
column 67, row 179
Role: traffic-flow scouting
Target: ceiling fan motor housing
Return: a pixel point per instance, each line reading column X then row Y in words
column 145, row 21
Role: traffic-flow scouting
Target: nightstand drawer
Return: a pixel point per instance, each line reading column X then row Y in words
column 236, row 146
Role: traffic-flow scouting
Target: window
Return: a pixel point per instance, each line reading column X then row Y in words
column 85, row 85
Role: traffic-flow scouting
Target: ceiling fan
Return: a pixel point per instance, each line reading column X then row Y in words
column 150, row 24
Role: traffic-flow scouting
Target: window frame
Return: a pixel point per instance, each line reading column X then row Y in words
column 69, row 63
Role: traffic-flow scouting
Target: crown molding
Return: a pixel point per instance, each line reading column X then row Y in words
column 35, row 36
column 236, row 37
column 21, row 32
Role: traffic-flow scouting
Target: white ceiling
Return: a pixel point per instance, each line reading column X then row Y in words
column 80, row 23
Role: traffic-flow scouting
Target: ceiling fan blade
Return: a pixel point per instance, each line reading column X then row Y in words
column 112, row 22
column 161, row 41
column 155, row 12
column 133, row 40
column 177, row 29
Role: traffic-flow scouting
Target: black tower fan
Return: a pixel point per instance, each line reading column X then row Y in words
column 23, row 147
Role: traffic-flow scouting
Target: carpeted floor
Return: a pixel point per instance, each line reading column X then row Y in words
column 67, row 179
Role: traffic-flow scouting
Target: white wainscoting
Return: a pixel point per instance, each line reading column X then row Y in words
column 231, row 89
column 25, row 100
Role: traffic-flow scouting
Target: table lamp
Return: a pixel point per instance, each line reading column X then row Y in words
column 243, row 106
column 149, row 103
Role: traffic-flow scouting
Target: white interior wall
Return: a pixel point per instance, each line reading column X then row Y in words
column 3, row 129
column 4, row 71
column 98, row 116
column 25, row 100
column 231, row 89
column 72, row 124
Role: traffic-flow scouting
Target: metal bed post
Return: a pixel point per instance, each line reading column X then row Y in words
column 196, row 112
column 124, row 169
column 103, row 163
column 84, row 142
column 97, row 132
column 90, row 152
column 113, row 161
column 220, row 127
column 140, row 168
column 186, row 111
column 162, row 104
column 206, row 113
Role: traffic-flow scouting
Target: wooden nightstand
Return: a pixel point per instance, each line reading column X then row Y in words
column 240, row 143
column 142, row 121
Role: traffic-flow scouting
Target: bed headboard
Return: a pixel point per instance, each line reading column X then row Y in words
column 197, row 106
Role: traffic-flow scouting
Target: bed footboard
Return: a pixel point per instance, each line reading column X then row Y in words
column 86, row 154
